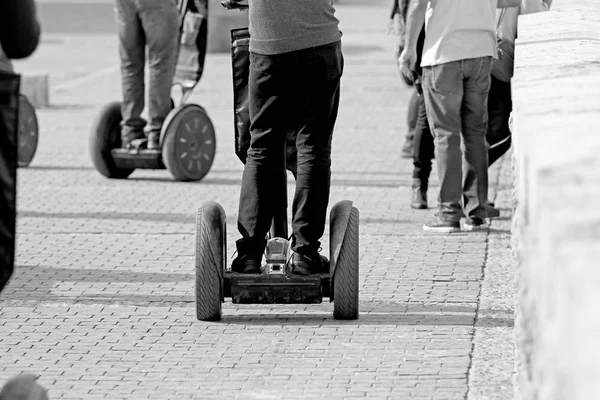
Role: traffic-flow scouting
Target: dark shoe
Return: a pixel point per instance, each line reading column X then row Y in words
column 309, row 264
column 475, row 224
column 441, row 226
column 153, row 139
column 247, row 264
column 408, row 149
column 419, row 198
column 492, row 212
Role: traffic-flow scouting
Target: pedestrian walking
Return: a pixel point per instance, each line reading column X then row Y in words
column 151, row 25
column 296, row 65
column 458, row 51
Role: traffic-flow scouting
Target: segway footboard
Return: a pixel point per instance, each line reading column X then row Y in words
column 137, row 159
column 276, row 289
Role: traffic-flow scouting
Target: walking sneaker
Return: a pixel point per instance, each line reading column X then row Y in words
column 475, row 224
column 247, row 264
column 419, row 198
column 439, row 225
column 309, row 264
column 492, row 212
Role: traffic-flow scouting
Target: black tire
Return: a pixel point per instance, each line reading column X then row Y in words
column 211, row 244
column 28, row 132
column 188, row 143
column 105, row 135
column 345, row 275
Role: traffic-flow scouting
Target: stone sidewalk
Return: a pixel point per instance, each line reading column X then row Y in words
column 102, row 301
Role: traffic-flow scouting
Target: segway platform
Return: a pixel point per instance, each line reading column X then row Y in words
column 276, row 288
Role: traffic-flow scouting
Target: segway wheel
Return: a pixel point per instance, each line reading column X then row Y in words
column 188, row 143
column 28, row 132
column 345, row 270
column 105, row 135
column 211, row 244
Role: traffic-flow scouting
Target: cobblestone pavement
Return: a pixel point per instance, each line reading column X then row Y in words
column 102, row 301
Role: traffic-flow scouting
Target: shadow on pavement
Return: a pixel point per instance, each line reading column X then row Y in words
column 39, row 284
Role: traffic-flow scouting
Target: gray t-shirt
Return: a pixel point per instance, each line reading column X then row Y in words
column 281, row 26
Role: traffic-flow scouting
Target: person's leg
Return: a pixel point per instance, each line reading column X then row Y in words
column 160, row 20
column 474, row 126
column 443, row 91
column 499, row 108
column 132, row 47
column 412, row 115
column 315, row 102
column 264, row 162
column 423, row 155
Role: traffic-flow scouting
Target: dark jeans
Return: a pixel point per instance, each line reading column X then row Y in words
column 456, row 95
column 293, row 92
column 154, row 23
column 499, row 108
column 424, row 148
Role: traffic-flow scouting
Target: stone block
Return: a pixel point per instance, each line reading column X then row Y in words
column 36, row 87
column 220, row 23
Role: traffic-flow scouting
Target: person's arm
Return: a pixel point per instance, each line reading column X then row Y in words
column 534, row 6
column 414, row 23
column 508, row 3
column 19, row 28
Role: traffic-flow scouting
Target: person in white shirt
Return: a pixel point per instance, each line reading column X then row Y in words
column 460, row 45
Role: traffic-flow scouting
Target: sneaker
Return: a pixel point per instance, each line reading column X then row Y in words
column 475, row 224
column 492, row 212
column 419, row 198
column 247, row 264
column 127, row 140
column 441, row 226
column 309, row 264
column 153, row 139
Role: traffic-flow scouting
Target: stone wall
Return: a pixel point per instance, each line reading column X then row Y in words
column 556, row 228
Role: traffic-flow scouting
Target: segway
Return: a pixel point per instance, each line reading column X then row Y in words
column 187, row 142
column 275, row 284
column 28, row 132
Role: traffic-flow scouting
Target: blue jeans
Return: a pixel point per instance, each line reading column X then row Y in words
column 295, row 92
column 141, row 23
column 456, row 96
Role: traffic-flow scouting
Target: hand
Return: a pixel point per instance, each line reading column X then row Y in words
column 407, row 62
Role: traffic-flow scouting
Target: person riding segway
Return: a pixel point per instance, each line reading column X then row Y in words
column 286, row 94
column 182, row 138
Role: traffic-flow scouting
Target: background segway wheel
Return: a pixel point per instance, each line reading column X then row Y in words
column 105, row 135
column 188, row 143
column 211, row 244
column 28, row 132
column 346, row 271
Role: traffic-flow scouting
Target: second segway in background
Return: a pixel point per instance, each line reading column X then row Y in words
column 275, row 284
column 187, row 143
